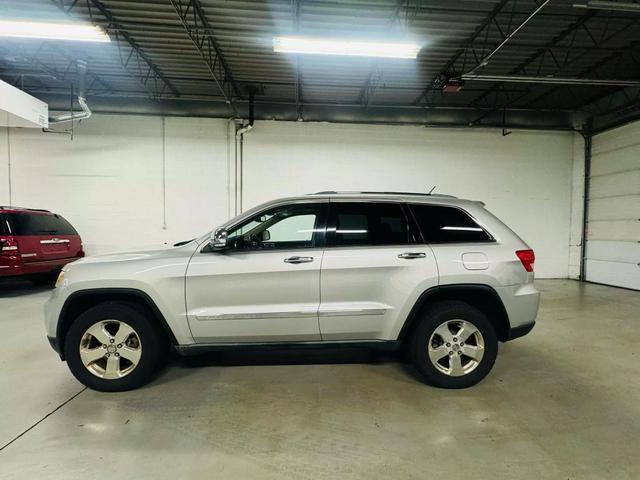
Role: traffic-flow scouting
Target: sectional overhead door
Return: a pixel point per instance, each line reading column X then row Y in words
column 613, row 229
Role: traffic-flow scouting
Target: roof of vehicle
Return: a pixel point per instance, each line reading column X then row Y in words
column 10, row 209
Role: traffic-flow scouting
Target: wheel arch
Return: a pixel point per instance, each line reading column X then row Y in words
column 482, row 297
column 80, row 301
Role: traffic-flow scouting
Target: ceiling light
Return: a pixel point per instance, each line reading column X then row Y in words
column 321, row 46
column 54, row 31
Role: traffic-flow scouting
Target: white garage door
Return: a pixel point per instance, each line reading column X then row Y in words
column 613, row 233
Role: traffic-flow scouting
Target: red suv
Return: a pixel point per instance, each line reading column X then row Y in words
column 36, row 243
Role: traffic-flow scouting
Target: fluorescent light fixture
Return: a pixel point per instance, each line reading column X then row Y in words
column 54, row 31
column 325, row 46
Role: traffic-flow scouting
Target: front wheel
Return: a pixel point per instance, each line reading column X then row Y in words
column 454, row 346
column 113, row 347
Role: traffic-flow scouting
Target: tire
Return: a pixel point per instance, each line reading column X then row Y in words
column 440, row 340
column 133, row 355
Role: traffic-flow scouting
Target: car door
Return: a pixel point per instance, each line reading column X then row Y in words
column 265, row 286
column 374, row 268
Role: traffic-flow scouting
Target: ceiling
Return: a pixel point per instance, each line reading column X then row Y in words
column 207, row 57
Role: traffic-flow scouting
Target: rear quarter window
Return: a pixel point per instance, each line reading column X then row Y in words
column 441, row 224
column 36, row 224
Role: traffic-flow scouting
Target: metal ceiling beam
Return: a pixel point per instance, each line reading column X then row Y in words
column 506, row 37
column 326, row 112
column 297, row 13
column 462, row 53
column 551, row 80
column 374, row 78
column 542, row 53
column 194, row 21
column 131, row 55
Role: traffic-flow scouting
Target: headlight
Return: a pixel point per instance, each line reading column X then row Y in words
column 60, row 279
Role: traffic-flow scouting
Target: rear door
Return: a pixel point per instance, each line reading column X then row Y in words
column 44, row 236
column 373, row 270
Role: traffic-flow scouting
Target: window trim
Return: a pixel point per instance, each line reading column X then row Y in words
column 330, row 224
column 426, row 241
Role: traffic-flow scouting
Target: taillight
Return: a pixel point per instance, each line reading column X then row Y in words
column 527, row 257
column 9, row 247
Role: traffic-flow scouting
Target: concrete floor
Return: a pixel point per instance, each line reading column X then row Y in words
column 562, row 403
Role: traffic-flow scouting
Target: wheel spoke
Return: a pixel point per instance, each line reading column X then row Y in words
column 100, row 333
column 438, row 353
column 443, row 332
column 473, row 351
column 90, row 355
column 131, row 354
column 466, row 330
column 455, row 365
column 124, row 332
column 113, row 367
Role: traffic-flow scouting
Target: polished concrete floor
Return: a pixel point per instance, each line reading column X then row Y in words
column 562, row 403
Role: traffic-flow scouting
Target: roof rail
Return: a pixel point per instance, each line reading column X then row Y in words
column 9, row 207
column 422, row 194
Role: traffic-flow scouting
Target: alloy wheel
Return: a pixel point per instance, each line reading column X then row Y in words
column 110, row 349
column 456, row 347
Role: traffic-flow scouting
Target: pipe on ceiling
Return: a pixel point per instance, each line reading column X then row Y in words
column 553, row 80
column 82, row 99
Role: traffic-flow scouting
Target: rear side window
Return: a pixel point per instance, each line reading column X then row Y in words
column 448, row 225
column 4, row 225
column 33, row 224
column 364, row 224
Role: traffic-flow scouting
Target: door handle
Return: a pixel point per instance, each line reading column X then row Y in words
column 297, row 259
column 411, row 255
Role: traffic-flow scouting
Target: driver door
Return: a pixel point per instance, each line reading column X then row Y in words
column 265, row 287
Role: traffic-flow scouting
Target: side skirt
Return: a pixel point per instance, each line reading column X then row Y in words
column 200, row 348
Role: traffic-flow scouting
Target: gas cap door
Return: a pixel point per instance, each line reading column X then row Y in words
column 475, row 261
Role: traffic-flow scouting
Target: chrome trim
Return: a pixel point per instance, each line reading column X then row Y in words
column 412, row 255
column 54, row 241
column 256, row 316
column 353, row 312
column 26, row 255
column 297, row 259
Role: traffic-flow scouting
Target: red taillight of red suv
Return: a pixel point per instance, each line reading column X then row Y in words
column 9, row 247
column 528, row 258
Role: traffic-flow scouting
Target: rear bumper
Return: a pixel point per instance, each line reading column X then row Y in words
column 18, row 268
column 521, row 304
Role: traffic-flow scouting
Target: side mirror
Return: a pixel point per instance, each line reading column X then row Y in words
column 266, row 236
column 218, row 239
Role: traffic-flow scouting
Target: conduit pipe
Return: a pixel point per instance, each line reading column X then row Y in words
column 82, row 100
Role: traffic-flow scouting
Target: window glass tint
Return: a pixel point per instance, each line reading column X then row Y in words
column 293, row 226
column 4, row 225
column 30, row 224
column 448, row 225
column 356, row 223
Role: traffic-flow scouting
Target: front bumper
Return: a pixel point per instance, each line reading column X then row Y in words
column 521, row 330
column 53, row 341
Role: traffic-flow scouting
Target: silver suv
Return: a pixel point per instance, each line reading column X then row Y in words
column 435, row 275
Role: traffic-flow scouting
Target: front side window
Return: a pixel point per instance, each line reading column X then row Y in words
column 284, row 227
column 367, row 224
column 440, row 224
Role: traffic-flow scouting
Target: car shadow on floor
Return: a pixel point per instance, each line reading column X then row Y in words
column 18, row 287
column 179, row 366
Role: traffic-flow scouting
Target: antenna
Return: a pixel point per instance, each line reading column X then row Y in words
column 431, row 191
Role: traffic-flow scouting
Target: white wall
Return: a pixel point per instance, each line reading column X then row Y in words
column 108, row 181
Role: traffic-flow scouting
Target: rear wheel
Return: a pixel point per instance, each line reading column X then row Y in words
column 454, row 346
column 113, row 347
